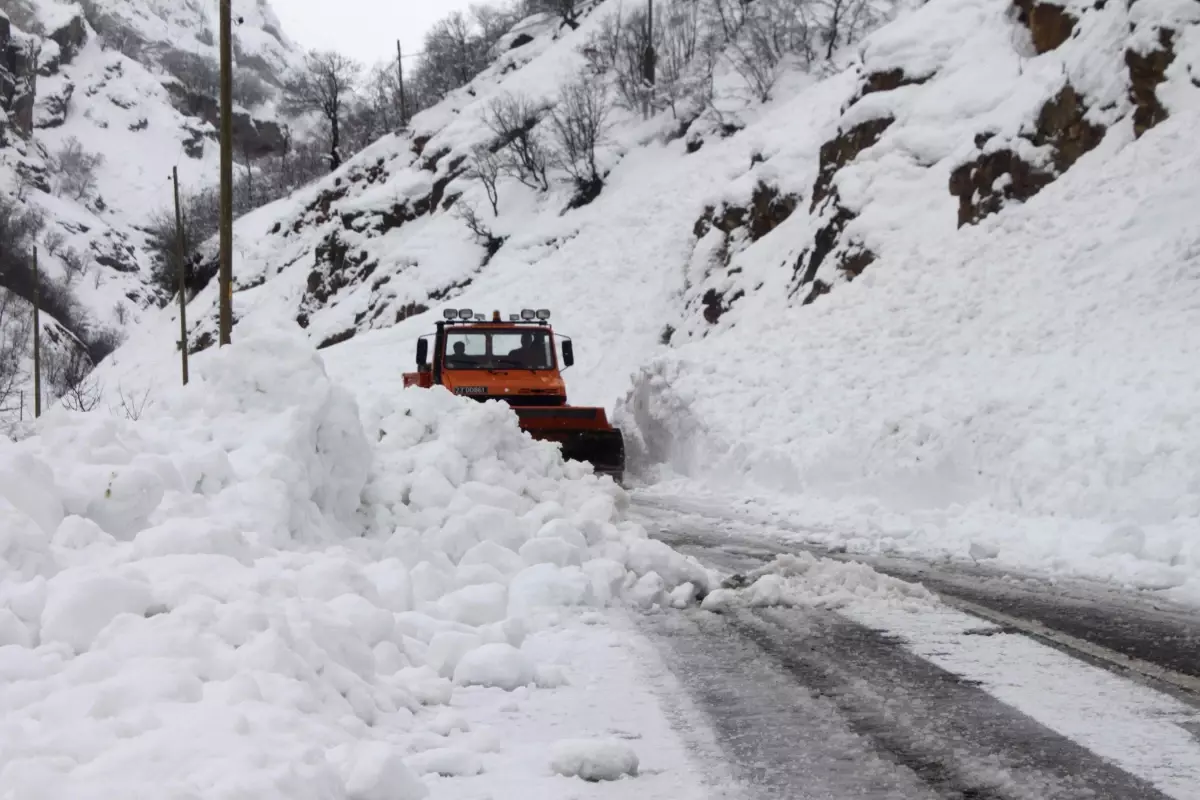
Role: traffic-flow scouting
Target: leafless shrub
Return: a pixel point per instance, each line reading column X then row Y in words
column 486, row 167
column 131, row 405
column 483, row 234
column 67, row 372
column 121, row 312
column 75, row 263
column 53, row 241
column 577, row 123
column 514, row 120
column 74, row 169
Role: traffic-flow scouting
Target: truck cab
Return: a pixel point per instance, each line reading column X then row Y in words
column 516, row 360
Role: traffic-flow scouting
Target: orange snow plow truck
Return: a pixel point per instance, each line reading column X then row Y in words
column 517, row 361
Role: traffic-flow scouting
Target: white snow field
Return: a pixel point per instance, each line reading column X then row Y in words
column 253, row 590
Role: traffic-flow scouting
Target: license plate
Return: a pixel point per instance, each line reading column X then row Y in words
column 471, row 390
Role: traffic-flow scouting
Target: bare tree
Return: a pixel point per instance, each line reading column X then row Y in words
column 770, row 32
column 16, row 324
column 578, row 122
column 75, row 169
column 514, row 120
column 486, row 167
column 324, row 86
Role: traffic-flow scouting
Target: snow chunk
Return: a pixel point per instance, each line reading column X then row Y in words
column 78, row 607
column 497, row 665
column 450, row 762
column 593, row 759
column 805, row 581
column 380, row 774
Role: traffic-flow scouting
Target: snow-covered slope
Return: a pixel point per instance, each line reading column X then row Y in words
column 943, row 297
column 129, row 81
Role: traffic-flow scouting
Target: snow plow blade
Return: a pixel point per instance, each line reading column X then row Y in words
column 584, row 434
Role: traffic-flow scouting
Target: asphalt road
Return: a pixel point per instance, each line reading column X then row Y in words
column 807, row 703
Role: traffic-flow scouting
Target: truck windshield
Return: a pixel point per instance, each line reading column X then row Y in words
column 501, row 349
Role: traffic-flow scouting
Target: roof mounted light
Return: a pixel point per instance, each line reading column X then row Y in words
column 543, row 313
column 495, row 316
column 514, row 317
column 450, row 313
column 466, row 314
column 480, row 317
column 527, row 313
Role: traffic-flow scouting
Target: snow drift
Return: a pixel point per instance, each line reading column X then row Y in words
column 249, row 590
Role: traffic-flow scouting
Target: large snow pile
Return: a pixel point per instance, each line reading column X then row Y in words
column 246, row 591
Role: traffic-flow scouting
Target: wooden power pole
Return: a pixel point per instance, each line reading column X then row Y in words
column 181, row 262
column 37, row 337
column 225, row 324
column 403, row 96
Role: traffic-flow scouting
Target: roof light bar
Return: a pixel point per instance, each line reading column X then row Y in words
column 543, row 313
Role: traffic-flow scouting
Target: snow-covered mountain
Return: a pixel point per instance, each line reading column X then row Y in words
column 942, row 287
column 99, row 100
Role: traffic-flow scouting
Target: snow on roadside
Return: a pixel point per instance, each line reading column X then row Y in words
column 806, row 581
column 253, row 590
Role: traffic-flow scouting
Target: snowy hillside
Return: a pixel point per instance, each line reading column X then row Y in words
column 100, row 100
column 939, row 290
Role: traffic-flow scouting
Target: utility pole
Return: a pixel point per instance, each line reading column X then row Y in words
column 225, row 326
column 37, row 337
column 180, row 255
column 403, row 97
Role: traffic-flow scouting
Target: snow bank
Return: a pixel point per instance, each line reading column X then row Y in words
column 252, row 590
column 806, row 581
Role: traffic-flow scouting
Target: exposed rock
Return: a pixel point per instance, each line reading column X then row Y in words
column 885, row 81
column 987, row 182
column 18, row 78
column 337, row 338
column 1049, row 24
column 768, row 209
column 841, row 150
column 888, row 81
column 1061, row 125
column 70, row 39
column 824, row 242
column 1146, row 72
column 980, row 190
column 715, row 304
column 252, row 137
column 520, row 41
column 193, row 146
column 53, row 107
